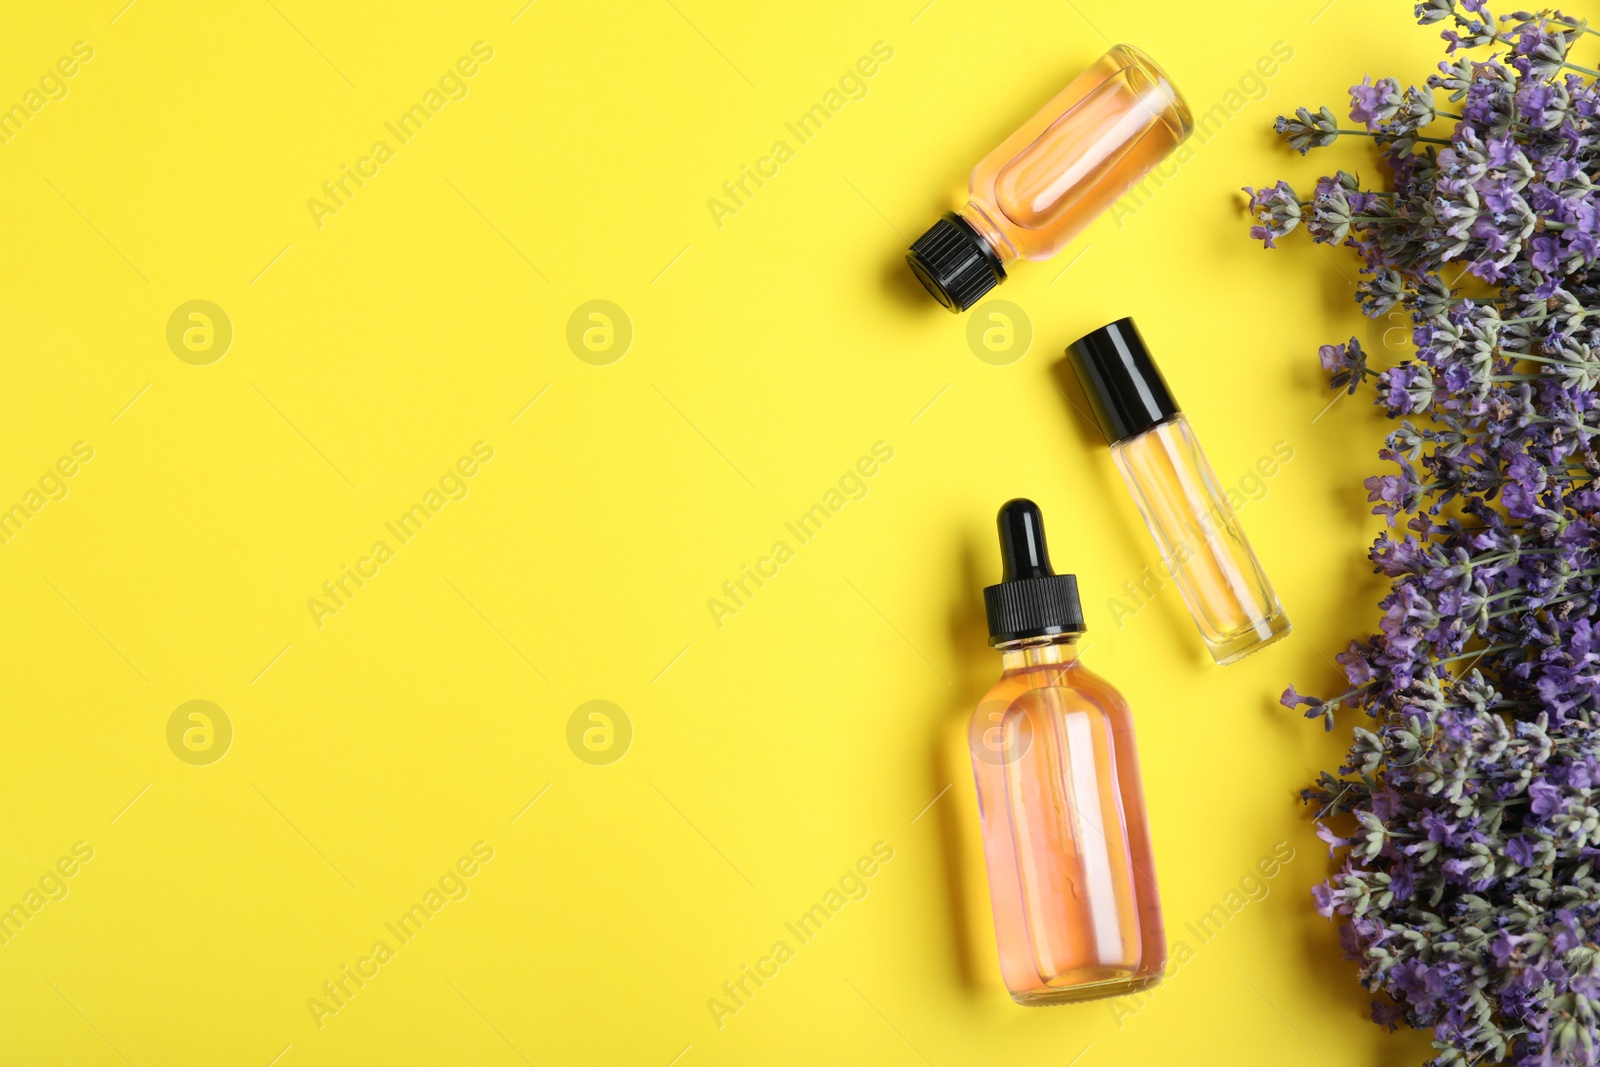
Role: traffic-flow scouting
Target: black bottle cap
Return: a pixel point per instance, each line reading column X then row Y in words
column 1122, row 382
column 1031, row 600
column 954, row 263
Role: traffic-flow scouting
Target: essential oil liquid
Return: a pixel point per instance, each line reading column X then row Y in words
column 1200, row 541
column 1083, row 150
column 1071, row 876
column 1092, row 142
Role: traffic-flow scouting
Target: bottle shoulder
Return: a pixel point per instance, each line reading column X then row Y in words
column 1074, row 679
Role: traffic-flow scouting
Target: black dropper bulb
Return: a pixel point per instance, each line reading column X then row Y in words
column 1022, row 547
column 1032, row 600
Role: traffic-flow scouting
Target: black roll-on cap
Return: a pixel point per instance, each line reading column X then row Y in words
column 1031, row 600
column 954, row 263
column 1122, row 382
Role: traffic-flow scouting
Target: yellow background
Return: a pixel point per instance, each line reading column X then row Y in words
column 768, row 354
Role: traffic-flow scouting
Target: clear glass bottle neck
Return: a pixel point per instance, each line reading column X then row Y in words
column 986, row 228
column 1177, row 421
column 1055, row 650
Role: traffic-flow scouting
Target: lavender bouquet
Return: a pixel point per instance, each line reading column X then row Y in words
column 1468, row 809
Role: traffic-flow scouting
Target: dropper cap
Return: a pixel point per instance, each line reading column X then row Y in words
column 1032, row 600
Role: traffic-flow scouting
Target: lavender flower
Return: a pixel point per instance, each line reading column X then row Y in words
column 1467, row 811
column 1277, row 209
column 1373, row 104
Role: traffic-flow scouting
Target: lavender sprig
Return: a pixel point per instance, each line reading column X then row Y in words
column 1467, row 811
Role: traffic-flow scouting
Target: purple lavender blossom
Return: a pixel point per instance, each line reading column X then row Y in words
column 1277, row 209
column 1371, row 104
column 1467, row 812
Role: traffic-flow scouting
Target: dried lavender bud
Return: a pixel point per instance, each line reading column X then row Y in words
column 1456, row 77
column 1431, row 11
column 1381, row 292
column 1418, row 109
column 1307, row 131
column 1346, row 364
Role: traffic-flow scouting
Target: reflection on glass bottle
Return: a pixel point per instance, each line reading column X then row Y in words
column 1088, row 146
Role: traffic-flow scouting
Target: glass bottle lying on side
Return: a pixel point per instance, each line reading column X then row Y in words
column 1074, row 158
column 1065, row 839
column 1201, row 544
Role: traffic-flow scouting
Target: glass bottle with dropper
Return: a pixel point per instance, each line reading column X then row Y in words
column 1202, row 546
column 1071, row 877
